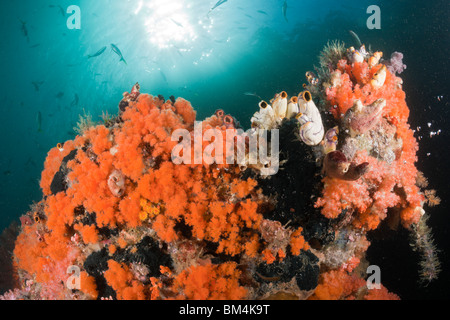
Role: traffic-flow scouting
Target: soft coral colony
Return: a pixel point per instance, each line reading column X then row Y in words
column 138, row 226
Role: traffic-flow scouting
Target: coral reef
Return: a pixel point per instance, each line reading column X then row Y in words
column 126, row 207
column 367, row 101
column 139, row 226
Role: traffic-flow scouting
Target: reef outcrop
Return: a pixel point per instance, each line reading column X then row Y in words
column 149, row 205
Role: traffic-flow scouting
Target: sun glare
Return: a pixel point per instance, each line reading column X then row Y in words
column 167, row 23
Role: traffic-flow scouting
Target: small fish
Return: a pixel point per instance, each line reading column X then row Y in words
column 24, row 29
column 7, row 173
column 35, row 46
column 39, row 121
column 117, row 51
column 284, row 9
column 177, row 23
column 218, row 3
column 252, row 95
column 30, row 162
column 61, row 10
column 59, row 95
column 163, row 76
column 184, row 88
column 37, row 85
column 262, row 12
column 99, row 52
column 75, row 100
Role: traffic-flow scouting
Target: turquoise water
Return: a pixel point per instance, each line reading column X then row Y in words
column 178, row 47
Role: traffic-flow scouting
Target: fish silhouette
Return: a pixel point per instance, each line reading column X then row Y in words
column 118, row 52
column 99, row 52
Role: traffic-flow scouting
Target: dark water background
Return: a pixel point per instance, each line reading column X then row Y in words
column 243, row 46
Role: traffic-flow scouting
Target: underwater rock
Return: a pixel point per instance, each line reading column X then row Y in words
column 59, row 183
column 381, row 143
column 295, row 187
column 138, row 225
column 297, row 180
column 319, row 231
column 148, row 253
column 303, row 267
column 95, row 265
column 145, row 254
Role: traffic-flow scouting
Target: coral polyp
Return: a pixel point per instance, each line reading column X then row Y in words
column 139, row 224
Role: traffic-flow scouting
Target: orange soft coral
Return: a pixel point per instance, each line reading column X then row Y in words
column 120, row 278
column 337, row 285
column 212, row 282
column 340, row 285
column 374, row 194
column 297, row 242
column 52, row 164
column 378, row 190
column 185, row 193
column 89, row 233
column 380, row 294
column 88, row 285
column 352, row 85
column 340, row 194
column 45, row 258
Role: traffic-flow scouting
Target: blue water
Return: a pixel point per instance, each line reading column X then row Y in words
column 174, row 47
